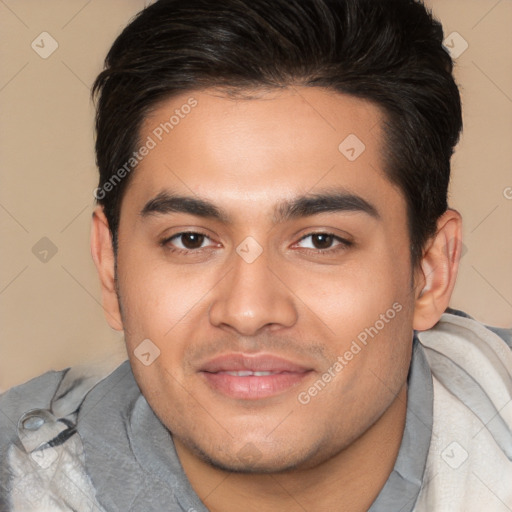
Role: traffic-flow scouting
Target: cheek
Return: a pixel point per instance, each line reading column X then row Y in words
column 351, row 297
column 167, row 305
column 368, row 307
column 156, row 296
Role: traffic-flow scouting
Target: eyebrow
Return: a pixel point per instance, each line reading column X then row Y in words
column 302, row 206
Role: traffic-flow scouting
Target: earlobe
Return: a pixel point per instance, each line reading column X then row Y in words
column 102, row 252
column 438, row 271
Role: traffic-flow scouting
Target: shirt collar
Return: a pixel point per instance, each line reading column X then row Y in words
column 402, row 488
column 133, row 440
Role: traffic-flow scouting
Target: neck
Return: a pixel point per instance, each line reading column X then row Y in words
column 351, row 479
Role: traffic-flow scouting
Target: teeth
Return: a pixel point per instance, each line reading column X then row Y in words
column 248, row 373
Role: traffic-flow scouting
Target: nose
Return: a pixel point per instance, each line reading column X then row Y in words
column 253, row 295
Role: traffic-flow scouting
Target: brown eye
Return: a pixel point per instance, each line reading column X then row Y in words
column 322, row 240
column 185, row 241
column 192, row 240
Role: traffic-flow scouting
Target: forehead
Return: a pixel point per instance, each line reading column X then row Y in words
column 240, row 152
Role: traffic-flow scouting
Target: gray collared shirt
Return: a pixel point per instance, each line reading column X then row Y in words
column 131, row 459
column 129, row 462
column 134, row 467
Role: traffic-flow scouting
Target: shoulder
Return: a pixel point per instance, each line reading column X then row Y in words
column 62, row 392
column 38, row 441
column 34, row 394
column 461, row 350
column 14, row 403
column 471, row 366
column 462, row 337
column 504, row 333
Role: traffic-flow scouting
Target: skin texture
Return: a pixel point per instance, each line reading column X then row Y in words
column 247, row 156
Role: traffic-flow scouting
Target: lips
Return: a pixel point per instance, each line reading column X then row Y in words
column 252, row 377
column 249, row 373
column 253, row 363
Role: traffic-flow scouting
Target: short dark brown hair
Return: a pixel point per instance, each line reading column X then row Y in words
column 388, row 52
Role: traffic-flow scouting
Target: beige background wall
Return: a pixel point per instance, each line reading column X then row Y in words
column 50, row 310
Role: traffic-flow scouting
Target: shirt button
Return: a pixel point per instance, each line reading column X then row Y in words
column 33, row 422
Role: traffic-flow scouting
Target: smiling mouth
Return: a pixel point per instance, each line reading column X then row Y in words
column 248, row 373
column 248, row 385
column 252, row 377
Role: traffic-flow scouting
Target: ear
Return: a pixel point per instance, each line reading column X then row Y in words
column 102, row 252
column 435, row 279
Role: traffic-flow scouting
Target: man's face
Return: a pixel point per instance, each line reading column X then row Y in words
column 284, row 332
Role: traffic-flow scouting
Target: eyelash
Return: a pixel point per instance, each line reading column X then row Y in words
column 343, row 243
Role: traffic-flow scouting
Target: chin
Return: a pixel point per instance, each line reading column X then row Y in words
column 251, row 460
column 260, row 466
